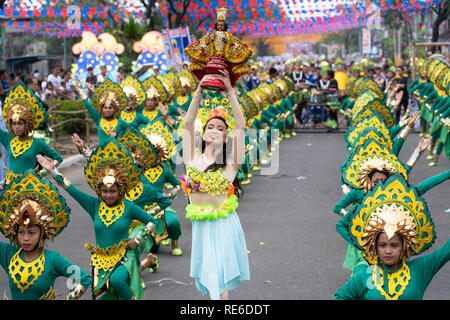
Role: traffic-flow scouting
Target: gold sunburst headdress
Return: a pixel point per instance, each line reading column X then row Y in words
column 366, row 158
column 154, row 88
column 144, row 153
column 110, row 163
column 21, row 103
column 166, row 150
column 132, row 87
column 31, row 200
column 187, row 79
column 392, row 207
column 109, row 93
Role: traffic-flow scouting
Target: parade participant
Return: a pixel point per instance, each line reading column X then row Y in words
column 136, row 98
column 328, row 85
column 32, row 212
column 157, row 94
column 379, row 77
column 400, row 83
column 23, row 114
column 108, row 101
column 340, row 76
column 180, row 104
column 143, row 195
column 388, row 227
column 252, row 80
column 298, row 76
column 158, row 176
column 219, row 260
column 111, row 173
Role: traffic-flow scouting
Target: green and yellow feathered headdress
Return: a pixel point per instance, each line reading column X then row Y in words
column 154, row 88
column 161, row 137
column 110, row 163
column 393, row 207
column 31, row 200
column 132, row 87
column 366, row 158
column 374, row 121
column 144, row 153
column 369, row 100
column 21, row 103
column 109, row 93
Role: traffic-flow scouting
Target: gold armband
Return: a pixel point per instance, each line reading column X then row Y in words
column 413, row 159
column 75, row 293
column 405, row 132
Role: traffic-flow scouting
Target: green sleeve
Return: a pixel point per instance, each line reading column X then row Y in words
column 413, row 85
column 444, row 106
column 5, row 138
column 344, row 104
column 7, row 250
column 63, row 267
column 142, row 120
column 351, row 197
column 88, row 202
column 342, row 226
column 431, row 96
column 141, row 215
column 397, row 145
column 354, row 288
column 438, row 102
column 170, row 177
column 48, row 151
column 428, row 265
column 92, row 111
column 431, row 182
column 407, row 169
column 445, row 114
column 173, row 111
column 394, row 131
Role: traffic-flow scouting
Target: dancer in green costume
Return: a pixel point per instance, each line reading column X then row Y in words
column 391, row 224
column 23, row 113
column 108, row 100
column 111, row 173
column 132, row 113
column 32, row 212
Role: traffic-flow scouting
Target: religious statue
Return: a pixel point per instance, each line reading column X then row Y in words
column 218, row 50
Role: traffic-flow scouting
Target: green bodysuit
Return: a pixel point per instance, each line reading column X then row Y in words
column 421, row 270
column 47, row 267
column 22, row 155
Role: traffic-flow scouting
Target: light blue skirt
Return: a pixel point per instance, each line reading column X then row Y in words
column 219, row 258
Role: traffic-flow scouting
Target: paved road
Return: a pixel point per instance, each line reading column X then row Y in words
column 294, row 250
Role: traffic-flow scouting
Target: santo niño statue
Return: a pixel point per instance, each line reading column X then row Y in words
column 219, row 49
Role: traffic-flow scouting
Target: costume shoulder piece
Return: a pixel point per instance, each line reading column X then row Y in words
column 29, row 200
column 392, row 207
